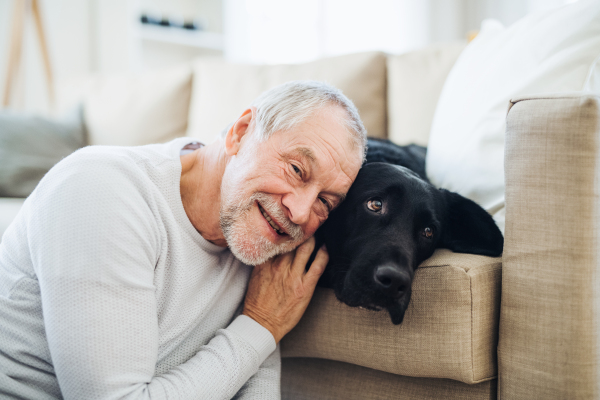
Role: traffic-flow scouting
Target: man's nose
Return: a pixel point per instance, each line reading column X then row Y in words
column 300, row 205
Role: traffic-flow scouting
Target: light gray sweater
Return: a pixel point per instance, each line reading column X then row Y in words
column 107, row 291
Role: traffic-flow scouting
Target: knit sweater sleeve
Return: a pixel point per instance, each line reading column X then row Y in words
column 94, row 241
column 266, row 383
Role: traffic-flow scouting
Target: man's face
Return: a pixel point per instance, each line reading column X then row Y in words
column 275, row 194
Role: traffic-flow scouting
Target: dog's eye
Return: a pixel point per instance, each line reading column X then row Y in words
column 375, row 205
column 428, row 233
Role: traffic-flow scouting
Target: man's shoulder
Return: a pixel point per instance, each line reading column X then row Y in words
column 95, row 170
column 102, row 157
column 106, row 163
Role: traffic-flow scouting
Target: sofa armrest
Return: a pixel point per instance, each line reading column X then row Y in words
column 449, row 330
column 549, row 342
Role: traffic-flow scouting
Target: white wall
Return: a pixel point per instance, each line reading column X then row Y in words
column 99, row 36
column 282, row 31
column 94, row 36
column 5, row 18
column 393, row 26
column 66, row 26
column 506, row 11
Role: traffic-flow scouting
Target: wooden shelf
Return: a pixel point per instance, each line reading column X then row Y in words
column 183, row 37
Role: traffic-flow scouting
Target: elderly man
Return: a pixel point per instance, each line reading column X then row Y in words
column 124, row 275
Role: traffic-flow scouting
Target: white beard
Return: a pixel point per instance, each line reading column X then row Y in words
column 243, row 240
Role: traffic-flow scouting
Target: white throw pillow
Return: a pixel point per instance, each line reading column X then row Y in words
column 546, row 52
column 223, row 90
column 414, row 83
column 133, row 109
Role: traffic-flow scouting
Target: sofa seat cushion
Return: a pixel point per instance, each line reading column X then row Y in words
column 450, row 329
column 223, row 90
column 313, row 379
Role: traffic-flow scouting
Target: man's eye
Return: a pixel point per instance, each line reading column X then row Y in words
column 297, row 170
column 324, row 201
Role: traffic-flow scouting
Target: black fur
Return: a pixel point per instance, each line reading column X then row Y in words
column 373, row 255
column 411, row 156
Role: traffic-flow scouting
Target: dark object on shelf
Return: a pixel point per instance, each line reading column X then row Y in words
column 191, row 25
column 147, row 19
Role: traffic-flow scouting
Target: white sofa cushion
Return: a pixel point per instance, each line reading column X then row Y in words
column 552, row 51
column 223, row 90
column 415, row 81
column 133, row 109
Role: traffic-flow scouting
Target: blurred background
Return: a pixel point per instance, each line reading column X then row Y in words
column 85, row 37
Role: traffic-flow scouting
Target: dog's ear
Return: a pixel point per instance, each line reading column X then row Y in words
column 468, row 228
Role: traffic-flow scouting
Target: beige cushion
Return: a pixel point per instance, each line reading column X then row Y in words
column 223, row 90
column 132, row 109
column 415, row 81
column 313, row 379
column 449, row 330
column 550, row 322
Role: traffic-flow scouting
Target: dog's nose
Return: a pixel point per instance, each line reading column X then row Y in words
column 391, row 280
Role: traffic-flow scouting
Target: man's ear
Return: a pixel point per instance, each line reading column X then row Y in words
column 468, row 228
column 238, row 131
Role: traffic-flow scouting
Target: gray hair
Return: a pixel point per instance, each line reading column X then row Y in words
column 286, row 106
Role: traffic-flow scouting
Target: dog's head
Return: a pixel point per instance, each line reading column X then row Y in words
column 389, row 223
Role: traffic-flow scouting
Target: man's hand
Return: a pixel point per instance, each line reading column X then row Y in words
column 280, row 290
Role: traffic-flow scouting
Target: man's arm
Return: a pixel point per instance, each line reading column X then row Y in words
column 266, row 383
column 94, row 244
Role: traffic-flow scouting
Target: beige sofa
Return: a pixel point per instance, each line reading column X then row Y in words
column 522, row 326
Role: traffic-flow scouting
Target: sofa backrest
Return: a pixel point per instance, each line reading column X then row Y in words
column 223, row 90
column 414, row 84
column 396, row 95
column 131, row 109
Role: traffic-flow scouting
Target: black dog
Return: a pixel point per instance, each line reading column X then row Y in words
column 392, row 220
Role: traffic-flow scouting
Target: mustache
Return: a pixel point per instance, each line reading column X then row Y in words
column 273, row 208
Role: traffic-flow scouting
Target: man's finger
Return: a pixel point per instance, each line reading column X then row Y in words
column 303, row 253
column 317, row 267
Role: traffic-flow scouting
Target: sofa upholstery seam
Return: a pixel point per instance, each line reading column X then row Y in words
column 472, row 319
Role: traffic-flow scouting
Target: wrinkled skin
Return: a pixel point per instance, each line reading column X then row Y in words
column 374, row 252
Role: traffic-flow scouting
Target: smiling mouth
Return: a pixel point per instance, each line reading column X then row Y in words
column 275, row 227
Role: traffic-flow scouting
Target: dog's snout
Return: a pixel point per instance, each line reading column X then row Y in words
column 391, row 280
